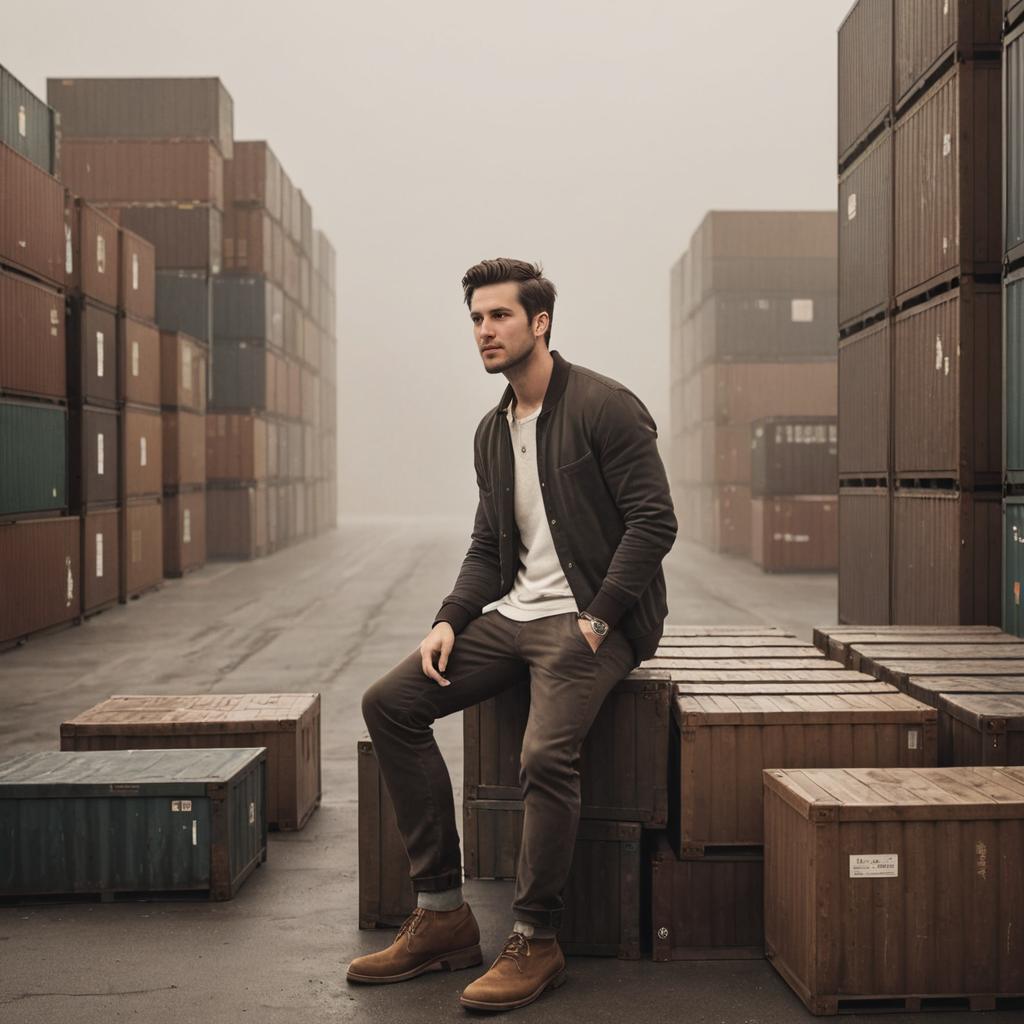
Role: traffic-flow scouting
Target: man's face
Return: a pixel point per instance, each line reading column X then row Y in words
column 504, row 335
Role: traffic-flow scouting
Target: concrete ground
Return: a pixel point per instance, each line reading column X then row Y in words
column 332, row 615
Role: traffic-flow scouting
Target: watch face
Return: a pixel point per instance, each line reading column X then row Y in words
column 600, row 628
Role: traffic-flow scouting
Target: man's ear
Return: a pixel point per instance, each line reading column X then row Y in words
column 540, row 324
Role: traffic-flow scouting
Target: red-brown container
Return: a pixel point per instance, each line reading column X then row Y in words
column 186, row 236
column 236, row 447
column 248, row 241
column 137, row 258
column 236, row 522
column 95, row 455
column 31, row 218
column 91, row 253
column 183, row 361
column 865, row 73
column 864, row 402
column 101, row 570
column 184, row 531
column 142, row 548
column 739, row 393
column 44, row 556
column 140, row 362
column 32, row 338
column 948, row 367
column 141, row 453
column 795, row 534
column 92, row 353
column 864, row 555
column 144, row 170
column 184, row 449
column 253, row 176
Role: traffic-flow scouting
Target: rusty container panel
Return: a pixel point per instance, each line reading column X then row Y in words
column 793, row 455
column 94, row 436
column 91, row 255
column 186, row 236
column 253, row 177
column 182, row 372
column 142, row 548
column 236, row 522
column 946, row 557
column 865, row 402
column 739, row 393
column 248, row 241
column 948, row 368
column 928, row 35
column 948, row 172
column 32, row 338
column 144, row 108
column 44, row 555
column 865, row 73
column 143, row 171
column 139, row 346
column 795, row 534
column 236, row 447
column 866, row 234
column 92, row 353
column 137, row 257
column 31, row 218
column 184, row 449
column 864, row 555
column 852, row 857
column 101, row 558
column 184, row 536
column 141, row 453
column 1013, row 146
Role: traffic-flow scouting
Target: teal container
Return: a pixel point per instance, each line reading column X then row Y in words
column 33, row 458
column 1013, row 565
column 27, row 124
column 1013, row 379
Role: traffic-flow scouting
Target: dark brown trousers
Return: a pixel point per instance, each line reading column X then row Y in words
column 568, row 683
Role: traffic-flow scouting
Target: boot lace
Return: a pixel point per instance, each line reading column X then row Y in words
column 410, row 924
column 516, row 946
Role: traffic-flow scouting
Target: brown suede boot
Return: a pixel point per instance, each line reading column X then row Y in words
column 522, row 971
column 429, row 940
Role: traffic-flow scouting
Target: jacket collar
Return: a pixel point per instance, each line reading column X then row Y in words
column 556, row 386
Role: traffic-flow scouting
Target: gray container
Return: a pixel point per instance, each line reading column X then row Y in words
column 239, row 376
column 1013, row 377
column 144, row 108
column 183, row 300
column 187, row 236
column 793, row 455
column 1013, row 146
column 132, row 822
column 27, row 124
column 248, row 308
column 33, row 458
column 865, row 402
column 865, row 74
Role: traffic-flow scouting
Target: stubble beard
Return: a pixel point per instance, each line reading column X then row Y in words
column 510, row 364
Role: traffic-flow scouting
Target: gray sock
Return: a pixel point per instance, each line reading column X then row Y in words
column 533, row 931
column 447, row 899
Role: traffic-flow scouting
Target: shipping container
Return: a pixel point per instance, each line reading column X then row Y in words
column 184, row 532
column 33, row 458
column 947, row 180
column 1013, row 145
column 32, row 338
column 144, row 108
column 865, row 74
column 27, row 124
column 730, row 519
column 137, row 294
column 141, row 452
column 241, row 372
column 1013, row 565
column 248, row 242
column 184, row 302
column 31, row 218
column 101, row 548
column 247, row 308
column 866, row 235
column 236, row 522
column 865, row 555
column 795, row 534
column 94, row 444
column 865, row 401
column 286, row 724
column 123, row 170
column 91, row 252
column 45, row 556
column 852, row 856
column 183, row 362
column 253, row 176
column 1013, row 378
column 135, row 822
column 139, row 345
column 946, row 557
column 92, row 370
column 793, row 455
column 142, row 548
column 739, row 393
column 187, row 236
column 184, row 449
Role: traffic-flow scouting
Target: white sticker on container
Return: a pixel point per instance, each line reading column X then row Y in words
column 947, row 144
column 186, row 368
column 911, row 739
column 874, row 865
column 195, row 832
column 99, row 353
column 101, row 254
column 252, row 813
column 186, row 528
column 945, row 244
column 135, row 271
column 938, row 351
column 181, row 805
column 945, row 7
column 142, row 451
column 69, row 252
column 135, row 359
column 945, row 366
column 99, row 556
column 851, row 206
column 99, row 455
column 802, row 311
column 22, row 122
column 69, row 588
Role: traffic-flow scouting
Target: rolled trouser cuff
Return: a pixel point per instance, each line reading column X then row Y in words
column 437, row 883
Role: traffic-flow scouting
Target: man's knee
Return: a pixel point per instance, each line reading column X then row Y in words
column 544, row 761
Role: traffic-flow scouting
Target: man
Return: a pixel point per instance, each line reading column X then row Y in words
column 573, row 521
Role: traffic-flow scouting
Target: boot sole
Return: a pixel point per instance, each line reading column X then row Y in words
column 557, row 981
column 461, row 958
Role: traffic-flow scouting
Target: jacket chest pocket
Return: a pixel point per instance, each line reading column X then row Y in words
column 583, row 462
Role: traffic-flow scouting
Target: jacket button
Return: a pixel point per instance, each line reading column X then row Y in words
column 507, row 489
column 542, row 483
column 504, row 534
column 554, row 521
column 570, row 565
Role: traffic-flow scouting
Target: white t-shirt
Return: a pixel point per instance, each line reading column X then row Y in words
column 540, row 587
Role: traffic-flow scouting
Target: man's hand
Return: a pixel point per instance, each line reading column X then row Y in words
column 440, row 640
column 589, row 635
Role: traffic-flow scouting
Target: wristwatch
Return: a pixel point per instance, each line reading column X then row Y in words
column 599, row 626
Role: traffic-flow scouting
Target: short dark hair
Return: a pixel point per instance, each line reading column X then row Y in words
column 536, row 292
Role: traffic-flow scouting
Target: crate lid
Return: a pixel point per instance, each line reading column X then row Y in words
column 775, row 687
column 928, row 688
column 923, row 651
column 725, row 631
column 797, row 709
column 874, row 641
column 774, row 675
column 955, row 667
column 729, row 664
column 60, row 773
column 986, row 711
column 899, row 794
column 797, row 651
column 770, row 640
column 846, row 633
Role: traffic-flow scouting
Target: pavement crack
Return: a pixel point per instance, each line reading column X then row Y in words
column 124, row 992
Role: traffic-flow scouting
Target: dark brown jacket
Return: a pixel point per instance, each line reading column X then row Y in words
column 607, row 501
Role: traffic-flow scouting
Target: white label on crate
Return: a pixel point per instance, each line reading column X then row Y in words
column 135, row 359
column 99, row 455
column 186, row 368
column 911, row 739
column 252, row 813
column 802, row 311
column 851, row 206
column 181, row 805
column 947, row 144
column 981, row 860
column 938, row 351
column 135, row 271
column 99, row 353
column 101, row 254
column 874, row 865
column 70, row 582
column 195, row 833
column 22, row 122
column 186, row 529
column 69, row 252
column 99, row 556
column 142, row 451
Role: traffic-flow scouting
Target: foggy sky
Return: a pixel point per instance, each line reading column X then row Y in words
column 591, row 136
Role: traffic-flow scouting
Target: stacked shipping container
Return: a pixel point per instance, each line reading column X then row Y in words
column 919, row 364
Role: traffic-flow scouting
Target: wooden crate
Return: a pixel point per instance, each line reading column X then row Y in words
column 721, row 744
column 704, row 631
column 835, row 641
column 873, row 658
column 705, row 908
column 287, row 724
column 899, row 673
column 982, row 728
column 738, row 652
column 896, row 889
column 623, row 761
column 673, row 643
